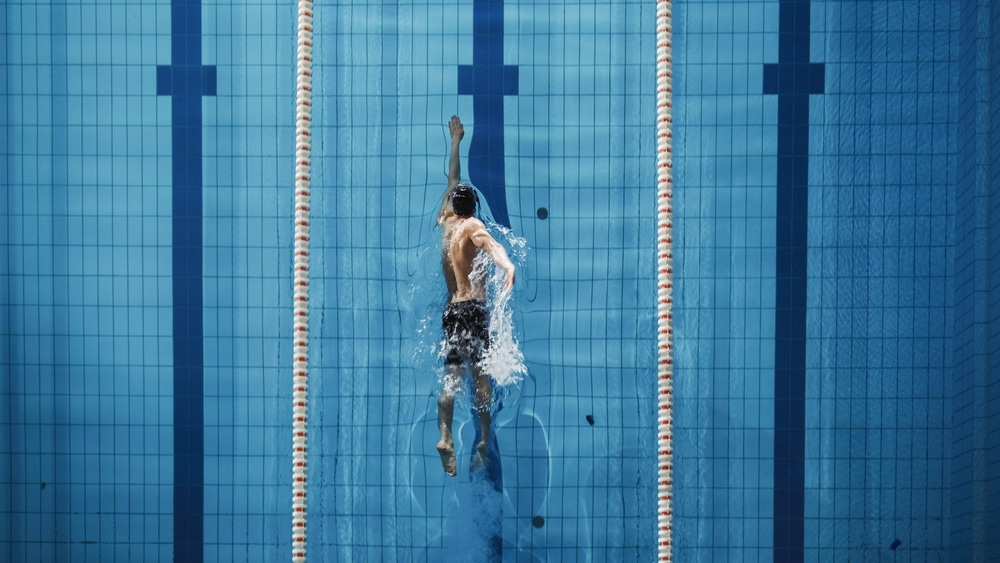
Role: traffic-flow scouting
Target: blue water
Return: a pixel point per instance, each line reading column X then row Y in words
column 836, row 282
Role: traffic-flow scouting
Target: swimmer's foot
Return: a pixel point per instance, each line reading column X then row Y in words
column 447, row 452
column 479, row 459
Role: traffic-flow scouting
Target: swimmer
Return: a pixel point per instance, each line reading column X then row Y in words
column 466, row 317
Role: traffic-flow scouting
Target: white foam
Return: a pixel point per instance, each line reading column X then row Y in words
column 504, row 361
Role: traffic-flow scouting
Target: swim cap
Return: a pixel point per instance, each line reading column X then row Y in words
column 464, row 199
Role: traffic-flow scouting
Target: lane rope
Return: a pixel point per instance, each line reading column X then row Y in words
column 665, row 276
column 300, row 291
column 664, row 94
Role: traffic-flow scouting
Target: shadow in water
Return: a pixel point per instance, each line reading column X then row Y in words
column 475, row 528
column 470, row 506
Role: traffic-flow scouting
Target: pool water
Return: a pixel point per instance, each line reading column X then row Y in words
column 834, row 206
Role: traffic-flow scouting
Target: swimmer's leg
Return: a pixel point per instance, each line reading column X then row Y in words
column 484, row 404
column 446, row 411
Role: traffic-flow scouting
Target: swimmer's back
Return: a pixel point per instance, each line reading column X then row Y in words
column 457, row 256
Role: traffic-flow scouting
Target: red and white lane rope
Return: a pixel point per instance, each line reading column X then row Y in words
column 300, row 294
column 665, row 275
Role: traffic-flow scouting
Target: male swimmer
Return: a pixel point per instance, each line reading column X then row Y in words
column 466, row 317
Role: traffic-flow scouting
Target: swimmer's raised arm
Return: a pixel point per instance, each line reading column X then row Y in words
column 454, row 164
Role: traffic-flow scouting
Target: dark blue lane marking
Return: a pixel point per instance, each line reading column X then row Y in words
column 793, row 79
column 186, row 81
column 488, row 80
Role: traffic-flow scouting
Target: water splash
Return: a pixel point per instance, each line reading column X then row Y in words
column 504, row 360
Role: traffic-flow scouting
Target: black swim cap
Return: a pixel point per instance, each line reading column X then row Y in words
column 463, row 200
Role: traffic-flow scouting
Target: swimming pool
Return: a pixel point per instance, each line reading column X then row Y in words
column 833, row 352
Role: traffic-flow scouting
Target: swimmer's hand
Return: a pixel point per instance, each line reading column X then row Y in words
column 508, row 282
column 457, row 129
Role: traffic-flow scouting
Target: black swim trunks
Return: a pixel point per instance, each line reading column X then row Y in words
column 466, row 331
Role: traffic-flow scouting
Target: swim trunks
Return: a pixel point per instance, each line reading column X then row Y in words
column 466, row 331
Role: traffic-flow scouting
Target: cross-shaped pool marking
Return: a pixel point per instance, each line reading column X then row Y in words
column 186, row 81
column 793, row 78
column 488, row 80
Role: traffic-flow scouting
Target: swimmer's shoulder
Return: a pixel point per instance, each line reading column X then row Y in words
column 470, row 224
column 464, row 228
